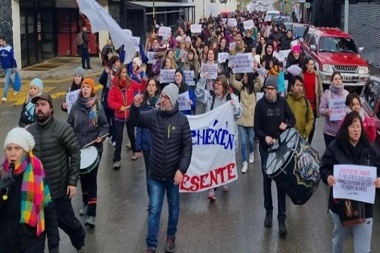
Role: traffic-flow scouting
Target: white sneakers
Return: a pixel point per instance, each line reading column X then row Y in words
column 245, row 167
column 251, row 157
column 4, row 99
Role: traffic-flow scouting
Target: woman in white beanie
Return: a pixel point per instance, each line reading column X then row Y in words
column 138, row 73
column 28, row 116
column 27, row 213
column 75, row 85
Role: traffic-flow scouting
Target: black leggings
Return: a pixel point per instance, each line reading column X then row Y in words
column 119, row 127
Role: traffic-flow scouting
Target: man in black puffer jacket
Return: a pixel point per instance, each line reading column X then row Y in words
column 58, row 149
column 171, row 149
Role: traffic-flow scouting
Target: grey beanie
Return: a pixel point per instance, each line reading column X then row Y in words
column 79, row 71
column 271, row 81
column 171, row 90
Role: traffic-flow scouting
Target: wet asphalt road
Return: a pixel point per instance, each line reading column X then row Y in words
column 234, row 223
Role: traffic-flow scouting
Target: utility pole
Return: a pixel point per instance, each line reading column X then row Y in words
column 154, row 10
column 346, row 6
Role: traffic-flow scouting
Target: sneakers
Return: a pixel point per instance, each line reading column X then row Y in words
column 82, row 250
column 4, row 99
column 83, row 210
column 282, row 230
column 226, row 188
column 251, row 157
column 134, row 157
column 150, row 251
column 211, row 195
column 128, row 146
column 268, row 221
column 15, row 93
column 116, row 165
column 90, row 221
column 170, row 244
column 114, row 144
column 245, row 167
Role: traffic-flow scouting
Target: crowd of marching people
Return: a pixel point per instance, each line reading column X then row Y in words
column 43, row 155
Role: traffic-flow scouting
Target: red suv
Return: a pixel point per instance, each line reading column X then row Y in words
column 335, row 50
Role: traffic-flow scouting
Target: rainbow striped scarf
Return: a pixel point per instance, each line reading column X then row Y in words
column 35, row 193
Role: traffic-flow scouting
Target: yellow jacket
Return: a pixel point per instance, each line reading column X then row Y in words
column 303, row 113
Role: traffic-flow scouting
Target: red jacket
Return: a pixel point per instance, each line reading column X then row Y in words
column 117, row 98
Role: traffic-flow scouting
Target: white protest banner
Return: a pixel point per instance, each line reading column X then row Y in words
column 231, row 22
column 259, row 95
column 71, row 98
column 211, row 69
column 248, row 24
column 294, row 70
column 355, row 182
column 101, row 20
column 232, row 45
column 243, row 63
column 268, row 18
column 338, row 107
column 196, row 28
column 150, row 56
column 189, row 77
column 165, row 32
column 128, row 32
column 167, row 75
column 136, row 42
column 213, row 159
column 262, row 71
column 282, row 55
column 294, row 43
column 222, row 57
column 231, row 60
column 224, row 20
column 183, row 101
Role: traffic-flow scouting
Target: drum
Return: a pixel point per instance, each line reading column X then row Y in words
column 89, row 159
column 294, row 165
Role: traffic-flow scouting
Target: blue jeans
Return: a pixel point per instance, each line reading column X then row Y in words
column 247, row 136
column 362, row 234
column 156, row 189
column 8, row 80
column 267, row 188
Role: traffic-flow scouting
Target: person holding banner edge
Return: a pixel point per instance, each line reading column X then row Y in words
column 219, row 95
column 272, row 116
column 351, row 146
column 167, row 166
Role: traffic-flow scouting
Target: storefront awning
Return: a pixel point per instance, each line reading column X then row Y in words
column 149, row 4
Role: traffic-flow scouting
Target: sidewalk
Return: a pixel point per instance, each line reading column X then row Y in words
column 56, row 74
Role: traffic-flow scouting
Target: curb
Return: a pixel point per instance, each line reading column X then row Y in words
column 55, row 81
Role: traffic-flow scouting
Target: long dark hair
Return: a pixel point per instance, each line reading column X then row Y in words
column 250, row 83
column 146, row 95
column 342, row 136
column 304, row 67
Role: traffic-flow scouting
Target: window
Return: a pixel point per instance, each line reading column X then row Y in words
column 331, row 44
column 371, row 95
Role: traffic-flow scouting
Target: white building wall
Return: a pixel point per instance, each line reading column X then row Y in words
column 203, row 8
column 16, row 31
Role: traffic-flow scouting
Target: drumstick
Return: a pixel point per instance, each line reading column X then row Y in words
column 89, row 144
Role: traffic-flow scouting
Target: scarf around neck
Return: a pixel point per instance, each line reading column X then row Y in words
column 30, row 108
column 35, row 193
column 92, row 105
column 336, row 90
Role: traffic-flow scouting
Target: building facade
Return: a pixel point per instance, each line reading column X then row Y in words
column 42, row 29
